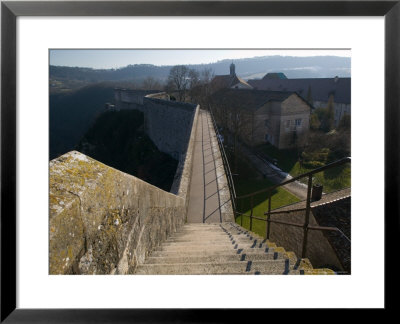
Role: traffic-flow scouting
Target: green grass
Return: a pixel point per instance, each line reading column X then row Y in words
column 249, row 180
column 332, row 180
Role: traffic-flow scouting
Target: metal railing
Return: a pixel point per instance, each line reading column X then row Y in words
column 225, row 163
column 306, row 226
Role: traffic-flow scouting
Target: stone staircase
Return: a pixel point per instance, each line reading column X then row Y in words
column 222, row 248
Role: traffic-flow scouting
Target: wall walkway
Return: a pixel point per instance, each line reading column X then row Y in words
column 209, row 199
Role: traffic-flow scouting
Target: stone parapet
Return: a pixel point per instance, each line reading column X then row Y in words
column 183, row 174
column 104, row 221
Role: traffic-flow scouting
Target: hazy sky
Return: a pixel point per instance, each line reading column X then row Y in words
column 98, row 58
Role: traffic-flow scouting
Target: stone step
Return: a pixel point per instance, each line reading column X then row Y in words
column 213, row 258
column 198, row 242
column 212, row 234
column 234, row 241
column 201, row 231
column 199, row 237
column 200, row 226
column 234, row 267
column 179, row 246
column 206, row 252
column 209, row 238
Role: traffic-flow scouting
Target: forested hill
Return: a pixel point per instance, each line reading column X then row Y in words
column 248, row 68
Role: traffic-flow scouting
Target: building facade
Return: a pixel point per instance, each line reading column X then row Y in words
column 317, row 91
column 279, row 118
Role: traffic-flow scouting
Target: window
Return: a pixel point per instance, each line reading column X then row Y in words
column 266, row 123
column 269, row 138
column 298, row 122
column 287, row 124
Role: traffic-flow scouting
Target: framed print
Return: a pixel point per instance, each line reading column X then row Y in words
column 33, row 31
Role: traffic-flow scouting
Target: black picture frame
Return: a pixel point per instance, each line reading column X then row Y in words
column 10, row 10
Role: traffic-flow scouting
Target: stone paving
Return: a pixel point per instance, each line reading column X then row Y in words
column 209, row 194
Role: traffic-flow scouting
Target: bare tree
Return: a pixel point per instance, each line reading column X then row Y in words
column 178, row 80
column 150, row 83
column 200, row 87
column 237, row 123
column 194, row 78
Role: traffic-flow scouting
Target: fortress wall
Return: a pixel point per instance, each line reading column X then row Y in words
column 183, row 174
column 133, row 99
column 104, row 221
column 159, row 95
column 169, row 125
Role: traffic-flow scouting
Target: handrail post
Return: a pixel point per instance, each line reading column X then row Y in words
column 269, row 216
column 307, row 217
column 251, row 213
column 241, row 212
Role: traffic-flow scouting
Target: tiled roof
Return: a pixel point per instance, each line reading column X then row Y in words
column 321, row 88
column 248, row 98
column 227, row 81
column 222, row 81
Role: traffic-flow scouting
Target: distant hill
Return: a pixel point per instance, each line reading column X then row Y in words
column 117, row 139
column 248, row 68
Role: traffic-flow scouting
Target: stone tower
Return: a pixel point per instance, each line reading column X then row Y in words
column 232, row 68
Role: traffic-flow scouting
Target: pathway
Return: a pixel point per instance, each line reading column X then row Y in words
column 296, row 188
column 209, row 194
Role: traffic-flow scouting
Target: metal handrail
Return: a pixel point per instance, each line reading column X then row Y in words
column 306, row 226
column 225, row 162
column 325, row 167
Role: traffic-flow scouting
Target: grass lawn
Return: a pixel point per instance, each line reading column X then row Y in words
column 249, row 180
column 332, row 180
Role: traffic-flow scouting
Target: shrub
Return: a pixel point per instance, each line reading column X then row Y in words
column 313, row 164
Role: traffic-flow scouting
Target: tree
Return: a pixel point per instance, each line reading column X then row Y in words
column 194, row 79
column 314, row 121
column 200, row 86
column 178, row 80
column 328, row 120
column 345, row 123
column 150, row 83
column 237, row 123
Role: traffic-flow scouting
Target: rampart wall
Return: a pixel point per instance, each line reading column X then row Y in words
column 168, row 124
column 104, row 221
column 131, row 99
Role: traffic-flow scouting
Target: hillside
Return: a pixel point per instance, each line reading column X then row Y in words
column 248, row 68
column 117, row 139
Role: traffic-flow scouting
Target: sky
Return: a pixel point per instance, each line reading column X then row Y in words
column 106, row 59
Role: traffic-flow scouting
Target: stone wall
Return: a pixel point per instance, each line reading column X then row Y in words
column 103, row 221
column 319, row 251
column 131, row 99
column 183, row 174
column 169, row 125
column 337, row 214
